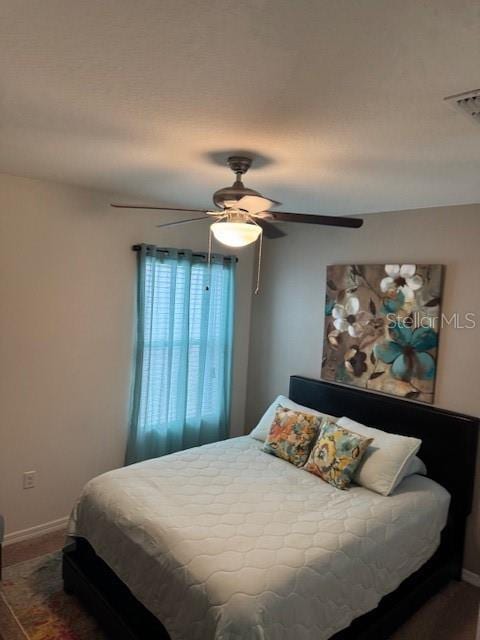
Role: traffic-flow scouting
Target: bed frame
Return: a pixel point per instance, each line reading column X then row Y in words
column 448, row 450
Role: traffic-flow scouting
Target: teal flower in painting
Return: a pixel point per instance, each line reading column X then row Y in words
column 407, row 352
column 329, row 304
column 393, row 304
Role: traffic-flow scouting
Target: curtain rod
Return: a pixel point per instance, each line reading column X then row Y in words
column 137, row 247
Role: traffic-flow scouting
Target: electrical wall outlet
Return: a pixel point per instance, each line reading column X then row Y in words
column 29, row 479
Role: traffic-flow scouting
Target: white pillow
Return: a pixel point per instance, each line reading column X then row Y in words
column 414, row 465
column 260, row 432
column 386, row 458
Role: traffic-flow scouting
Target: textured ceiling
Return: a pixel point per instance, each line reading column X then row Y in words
column 342, row 99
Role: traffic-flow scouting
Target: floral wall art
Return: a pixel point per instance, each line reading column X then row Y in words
column 382, row 323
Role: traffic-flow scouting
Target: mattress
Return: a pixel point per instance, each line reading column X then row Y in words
column 226, row 542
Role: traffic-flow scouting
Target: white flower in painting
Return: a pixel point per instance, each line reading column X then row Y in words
column 401, row 278
column 349, row 318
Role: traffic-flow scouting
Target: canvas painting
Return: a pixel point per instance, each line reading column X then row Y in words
column 382, row 324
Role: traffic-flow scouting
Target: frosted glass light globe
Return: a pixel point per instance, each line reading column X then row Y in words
column 235, row 234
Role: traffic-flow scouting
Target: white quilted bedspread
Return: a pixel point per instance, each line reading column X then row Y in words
column 227, row 542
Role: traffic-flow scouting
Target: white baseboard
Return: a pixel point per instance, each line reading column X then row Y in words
column 35, row 532
column 470, row 577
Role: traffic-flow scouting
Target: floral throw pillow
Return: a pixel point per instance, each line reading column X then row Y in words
column 336, row 454
column 292, row 434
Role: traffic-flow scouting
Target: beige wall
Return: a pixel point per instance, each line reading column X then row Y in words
column 287, row 319
column 67, row 282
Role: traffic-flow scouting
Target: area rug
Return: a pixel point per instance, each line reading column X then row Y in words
column 33, row 591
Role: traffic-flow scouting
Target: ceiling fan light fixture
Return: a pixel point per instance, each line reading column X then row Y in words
column 235, row 234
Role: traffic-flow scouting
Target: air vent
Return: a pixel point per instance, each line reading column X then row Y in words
column 468, row 103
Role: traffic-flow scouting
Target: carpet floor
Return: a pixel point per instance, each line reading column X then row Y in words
column 33, row 605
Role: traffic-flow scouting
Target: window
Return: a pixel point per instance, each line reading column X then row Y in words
column 184, row 351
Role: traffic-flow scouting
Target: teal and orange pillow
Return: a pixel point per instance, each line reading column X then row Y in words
column 336, row 454
column 292, row 434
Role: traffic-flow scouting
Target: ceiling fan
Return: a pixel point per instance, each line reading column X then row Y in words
column 243, row 214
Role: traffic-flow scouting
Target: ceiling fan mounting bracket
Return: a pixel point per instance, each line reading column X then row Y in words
column 228, row 196
column 239, row 164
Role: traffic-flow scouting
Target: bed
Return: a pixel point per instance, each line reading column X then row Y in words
column 226, row 542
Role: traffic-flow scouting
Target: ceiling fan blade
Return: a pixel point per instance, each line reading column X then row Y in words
column 270, row 231
column 151, row 206
column 255, row 204
column 332, row 221
column 172, row 224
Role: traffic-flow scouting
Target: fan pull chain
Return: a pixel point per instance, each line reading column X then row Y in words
column 209, row 259
column 259, row 266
